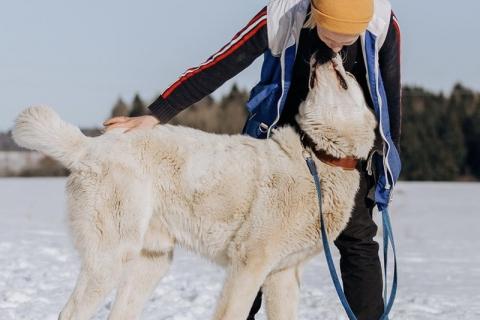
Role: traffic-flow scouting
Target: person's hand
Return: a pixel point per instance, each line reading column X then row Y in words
column 131, row 123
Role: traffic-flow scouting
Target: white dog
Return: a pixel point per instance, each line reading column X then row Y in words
column 249, row 205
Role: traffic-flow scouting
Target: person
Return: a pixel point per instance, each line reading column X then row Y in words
column 288, row 32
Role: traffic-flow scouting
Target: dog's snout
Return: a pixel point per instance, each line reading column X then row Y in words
column 337, row 65
column 319, row 69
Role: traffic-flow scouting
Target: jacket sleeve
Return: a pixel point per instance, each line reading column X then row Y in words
column 389, row 60
column 231, row 59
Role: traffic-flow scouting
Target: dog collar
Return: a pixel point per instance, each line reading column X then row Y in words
column 347, row 163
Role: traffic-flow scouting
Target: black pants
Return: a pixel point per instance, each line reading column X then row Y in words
column 359, row 261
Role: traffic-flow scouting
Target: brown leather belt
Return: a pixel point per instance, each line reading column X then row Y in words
column 347, row 163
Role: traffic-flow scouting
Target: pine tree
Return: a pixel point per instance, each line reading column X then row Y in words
column 450, row 129
column 138, row 107
column 472, row 137
column 232, row 111
column 120, row 109
column 419, row 141
column 235, row 96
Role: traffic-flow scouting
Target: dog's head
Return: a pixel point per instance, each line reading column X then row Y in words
column 335, row 114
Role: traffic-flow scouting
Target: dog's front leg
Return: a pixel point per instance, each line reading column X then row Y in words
column 241, row 287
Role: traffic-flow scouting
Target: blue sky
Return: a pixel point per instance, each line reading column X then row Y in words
column 80, row 56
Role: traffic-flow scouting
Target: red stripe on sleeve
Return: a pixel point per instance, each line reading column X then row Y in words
column 187, row 75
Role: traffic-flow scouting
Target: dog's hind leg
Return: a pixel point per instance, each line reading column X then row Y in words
column 244, row 279
column 98, row 275
column 109, row 220
column 281, row 290
column 140, row 277
column 142, row 271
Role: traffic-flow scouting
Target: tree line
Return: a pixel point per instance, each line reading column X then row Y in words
column 440, row 138
column 440, row 134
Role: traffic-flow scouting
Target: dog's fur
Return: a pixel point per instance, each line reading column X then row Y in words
column 249, row 205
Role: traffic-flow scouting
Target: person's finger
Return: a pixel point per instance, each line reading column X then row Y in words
column 115, row 120
column 118, row 125
column 134, row 126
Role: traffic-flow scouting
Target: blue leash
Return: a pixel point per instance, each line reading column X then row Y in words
column 387, row 236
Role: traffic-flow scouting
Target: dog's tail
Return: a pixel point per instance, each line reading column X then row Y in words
column 41, row 129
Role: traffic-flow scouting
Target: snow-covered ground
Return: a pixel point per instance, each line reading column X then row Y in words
column 435, row 224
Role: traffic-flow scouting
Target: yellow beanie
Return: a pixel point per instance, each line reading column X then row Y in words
column 343, row 16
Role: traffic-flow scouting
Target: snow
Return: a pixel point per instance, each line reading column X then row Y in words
column 434, row 224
